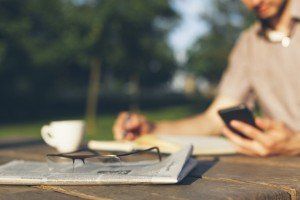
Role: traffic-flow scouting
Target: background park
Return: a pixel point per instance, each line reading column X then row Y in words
column 91, row 59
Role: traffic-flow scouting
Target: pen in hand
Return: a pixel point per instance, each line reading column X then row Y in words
column 135, row 125
column 125, row 132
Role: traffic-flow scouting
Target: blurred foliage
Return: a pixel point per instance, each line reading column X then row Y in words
column 46, row 47
column 105, row 121
column 40, row 42
column 208, row 57
column 129, row 37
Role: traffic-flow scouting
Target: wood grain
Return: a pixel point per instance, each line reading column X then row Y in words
column 191, row 188
column 24, row 192
column 284, row 178
column 277, row 161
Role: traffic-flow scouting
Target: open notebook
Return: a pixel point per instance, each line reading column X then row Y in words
column 203, row 145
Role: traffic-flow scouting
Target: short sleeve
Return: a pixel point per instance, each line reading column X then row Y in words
column 235, row 82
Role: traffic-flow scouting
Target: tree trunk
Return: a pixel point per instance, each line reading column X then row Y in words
column 93, row 95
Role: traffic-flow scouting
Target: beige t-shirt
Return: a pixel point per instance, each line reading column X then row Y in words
column 269, row 71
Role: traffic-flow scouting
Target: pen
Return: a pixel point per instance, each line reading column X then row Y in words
column 125, row 132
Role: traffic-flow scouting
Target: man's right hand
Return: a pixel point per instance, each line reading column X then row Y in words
column 129, row 126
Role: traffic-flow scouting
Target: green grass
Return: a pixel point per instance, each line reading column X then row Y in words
column 105, row 123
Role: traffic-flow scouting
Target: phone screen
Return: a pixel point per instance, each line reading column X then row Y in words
column 239, row 113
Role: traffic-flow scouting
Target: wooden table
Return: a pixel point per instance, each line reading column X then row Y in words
column 224, row 177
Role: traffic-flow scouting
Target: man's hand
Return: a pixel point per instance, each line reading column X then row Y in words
column 274, row 139
column 129, row 126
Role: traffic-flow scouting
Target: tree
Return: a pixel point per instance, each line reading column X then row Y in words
column 208, row 57
column 37, row 45
column 124, row 37
column 48, row 48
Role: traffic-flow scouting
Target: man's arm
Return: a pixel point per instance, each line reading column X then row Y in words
column 131, row 125
column 206, row 123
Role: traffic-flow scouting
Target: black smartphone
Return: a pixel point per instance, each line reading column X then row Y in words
column 239, row 113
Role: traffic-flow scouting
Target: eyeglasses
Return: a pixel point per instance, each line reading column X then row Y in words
column 89, row 160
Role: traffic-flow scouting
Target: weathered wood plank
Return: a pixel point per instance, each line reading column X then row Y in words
column 285, row 178
column 4, row 160
column 279, row 161
column 191, row 188
column 24, row 192
column 26, row 148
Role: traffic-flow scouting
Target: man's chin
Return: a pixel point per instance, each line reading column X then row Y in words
column 266, row 16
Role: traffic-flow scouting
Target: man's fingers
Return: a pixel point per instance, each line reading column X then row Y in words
column 129, row 126
column 130, row 136
column 264, row 124
column 118, row 127
column 235, row 138
column 121, row 119
column 249, row 131
column 133, row 123
column 252, row 146
column 243, row 150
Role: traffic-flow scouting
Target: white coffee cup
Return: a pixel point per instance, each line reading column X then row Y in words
column 65, row 136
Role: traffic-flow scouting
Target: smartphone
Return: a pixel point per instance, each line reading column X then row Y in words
column 239, row 113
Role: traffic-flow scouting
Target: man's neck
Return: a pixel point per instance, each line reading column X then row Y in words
column 282, row 22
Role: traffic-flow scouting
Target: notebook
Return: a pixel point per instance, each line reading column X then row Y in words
column 203, row 145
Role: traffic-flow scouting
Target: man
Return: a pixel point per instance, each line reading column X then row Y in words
column 264, row 63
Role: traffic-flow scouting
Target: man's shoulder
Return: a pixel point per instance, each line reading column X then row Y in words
column 250, row 33
column 246, row 39
column 253, row 29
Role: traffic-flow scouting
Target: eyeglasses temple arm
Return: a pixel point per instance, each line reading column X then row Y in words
column 141, row 151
